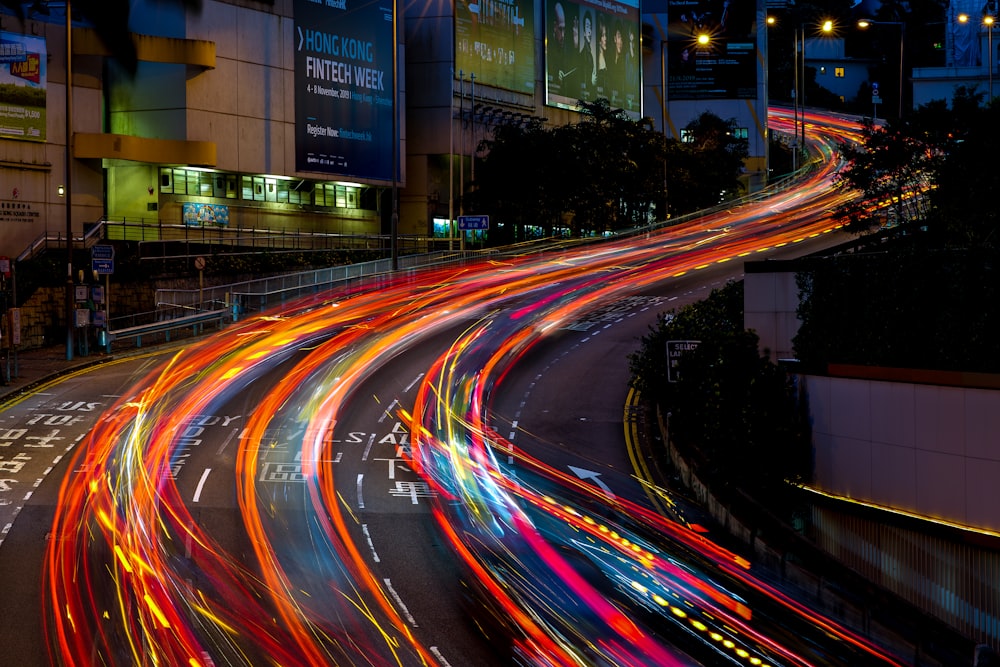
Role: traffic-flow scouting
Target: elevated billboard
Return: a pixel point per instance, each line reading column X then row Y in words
column 23, row 86
column 343, row 87
column 495, row 41
column 724, row 64
column 593, row 50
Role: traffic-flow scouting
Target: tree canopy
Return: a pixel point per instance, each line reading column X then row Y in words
column 727, row 401
column 929, row 170
column 604, row 173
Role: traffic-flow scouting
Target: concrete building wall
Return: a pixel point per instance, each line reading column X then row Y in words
column 921, row 442
column 770, row 300
column 927, row 450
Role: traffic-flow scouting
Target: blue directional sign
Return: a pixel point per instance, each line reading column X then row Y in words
column 473, row 222
column 102, row 252
column 103, row 267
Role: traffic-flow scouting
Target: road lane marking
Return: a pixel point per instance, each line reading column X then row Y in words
column 399, row 601
column 201, row 485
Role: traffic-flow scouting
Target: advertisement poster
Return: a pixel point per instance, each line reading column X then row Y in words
column 204, row 215
column 495, row 41
column 593, row 50
column 724, row 66
column 343, row 87
column 22, row 87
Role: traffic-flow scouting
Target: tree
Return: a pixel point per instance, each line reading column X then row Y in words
column 729, row 403
column 598, row 175
column 927, row 171
column 110, row 20
column 705, row 168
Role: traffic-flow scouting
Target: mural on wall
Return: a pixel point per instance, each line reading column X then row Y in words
column 592, row 50
column 344, row 88
column 22, row 87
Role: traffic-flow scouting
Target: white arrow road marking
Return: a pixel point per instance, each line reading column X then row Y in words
column 593, row 476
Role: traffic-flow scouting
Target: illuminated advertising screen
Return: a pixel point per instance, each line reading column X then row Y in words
column 343, row 87
column 22, row 87
column 495, row 41
column 711, row 49
column 593, row 50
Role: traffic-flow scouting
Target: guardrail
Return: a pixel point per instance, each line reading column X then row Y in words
column 195, row 322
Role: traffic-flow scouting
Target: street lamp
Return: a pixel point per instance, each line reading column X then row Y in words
column 863, row 24
column 988, row 21
column 663, row 119
column 825, row 27
column 70, row 295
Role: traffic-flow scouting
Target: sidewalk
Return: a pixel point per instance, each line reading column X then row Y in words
column 20, row 370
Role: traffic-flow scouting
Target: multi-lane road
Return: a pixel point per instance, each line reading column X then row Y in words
column 431, row 470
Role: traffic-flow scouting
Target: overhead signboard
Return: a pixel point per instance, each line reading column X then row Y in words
column 344, row 88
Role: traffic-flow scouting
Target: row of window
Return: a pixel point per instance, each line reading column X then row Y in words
column 179, row 181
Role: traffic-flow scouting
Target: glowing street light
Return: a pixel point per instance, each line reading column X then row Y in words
column 825, row 27
column 988, row 21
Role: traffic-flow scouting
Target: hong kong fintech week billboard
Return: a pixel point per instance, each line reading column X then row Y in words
column 343, row 87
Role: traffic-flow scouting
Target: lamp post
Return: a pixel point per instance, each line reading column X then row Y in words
column 863, row 24
column 988, row 21
column 795, row 101
column 663, row 118
column 70, row 296
column 825, row 27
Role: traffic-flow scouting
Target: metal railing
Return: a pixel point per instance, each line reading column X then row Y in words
column 162, row 329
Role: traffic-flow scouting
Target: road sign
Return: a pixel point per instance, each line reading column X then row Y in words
column 102, row 252
column 471, row 222
column 103, row 267
column 675, row 350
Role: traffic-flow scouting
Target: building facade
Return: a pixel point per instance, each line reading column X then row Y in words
column 308, row 117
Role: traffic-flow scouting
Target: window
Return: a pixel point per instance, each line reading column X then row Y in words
column 221, row 185
column 246, row 188
column 441, row 228
column 166, row 181
column 838, row 72
column 741, row 133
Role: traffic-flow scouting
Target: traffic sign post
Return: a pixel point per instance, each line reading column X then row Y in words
column 102, row 263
